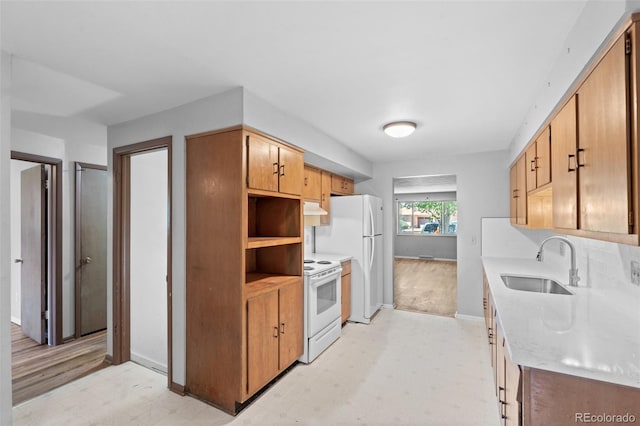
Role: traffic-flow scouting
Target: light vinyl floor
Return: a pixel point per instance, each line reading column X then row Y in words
column 402, row 369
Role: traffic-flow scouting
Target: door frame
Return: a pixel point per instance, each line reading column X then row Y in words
column 54, row 302
column 121, row 250
column 78, row 234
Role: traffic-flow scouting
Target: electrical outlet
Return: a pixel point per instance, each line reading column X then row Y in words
column 635, row 272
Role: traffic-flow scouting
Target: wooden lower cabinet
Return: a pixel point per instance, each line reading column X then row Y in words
column 262, row 340
column 533, row 397
column 345, row 284
column 274, row 334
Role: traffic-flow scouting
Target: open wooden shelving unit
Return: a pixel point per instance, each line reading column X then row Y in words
column 244, row 263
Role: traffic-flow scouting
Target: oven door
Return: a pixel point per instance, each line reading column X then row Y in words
column 324, row 301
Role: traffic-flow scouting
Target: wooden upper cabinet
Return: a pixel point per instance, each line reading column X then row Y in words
column 564, row 143
column 341, row 185
column 325, row 197
column 272, row 166
column 312, row 189
column 262, row 161
column 530, row 161
column 513, row 198
column 291, row 170
column 291, row 324
column 543, row 158
column 603, row 128
column 518, row 186
column 538, row 161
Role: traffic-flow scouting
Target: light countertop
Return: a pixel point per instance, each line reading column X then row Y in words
column 594, row 334
column 325, row 256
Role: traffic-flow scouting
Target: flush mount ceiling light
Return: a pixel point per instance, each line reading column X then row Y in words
column 399, row 129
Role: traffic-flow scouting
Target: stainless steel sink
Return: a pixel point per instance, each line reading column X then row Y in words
column 534, row 284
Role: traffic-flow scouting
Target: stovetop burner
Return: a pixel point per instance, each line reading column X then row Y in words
column 324, row 262
column 309, row 268
column 309, row 261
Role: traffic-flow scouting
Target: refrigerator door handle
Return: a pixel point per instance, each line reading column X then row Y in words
column 371, row 221
column 373, row 251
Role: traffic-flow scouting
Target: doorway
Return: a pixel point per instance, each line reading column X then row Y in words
column 37, row 246
column 142, row 255
column 425, row 244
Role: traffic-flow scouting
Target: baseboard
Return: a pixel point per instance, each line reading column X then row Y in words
column 468, row 317
column 388, row 306
column 16, row 321
column 149, row 363
column 442, row 259
column 176, row 388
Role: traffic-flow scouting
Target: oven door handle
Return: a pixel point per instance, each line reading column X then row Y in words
column 317, row 282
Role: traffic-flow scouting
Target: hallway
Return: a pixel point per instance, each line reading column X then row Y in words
column 37, row 369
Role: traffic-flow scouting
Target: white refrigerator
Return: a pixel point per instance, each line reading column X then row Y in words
column 356, row 230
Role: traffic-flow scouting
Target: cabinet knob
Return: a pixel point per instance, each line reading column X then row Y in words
column 275, row 332
column 282, row 328
column 282, row 170
column 275, row 168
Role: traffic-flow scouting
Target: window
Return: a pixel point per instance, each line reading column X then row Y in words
column 427, row 218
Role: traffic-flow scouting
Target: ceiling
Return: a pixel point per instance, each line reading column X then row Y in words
column 466, row 72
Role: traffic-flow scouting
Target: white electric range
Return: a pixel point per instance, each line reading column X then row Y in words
column 322, row 306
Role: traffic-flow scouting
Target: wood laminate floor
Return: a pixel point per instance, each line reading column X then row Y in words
column 36, row 369
column 428, row 286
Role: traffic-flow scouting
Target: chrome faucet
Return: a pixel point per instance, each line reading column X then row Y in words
column 573, row 272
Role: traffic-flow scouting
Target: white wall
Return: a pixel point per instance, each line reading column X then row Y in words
column 592, row 27
column 149, row 259
column 6, row 417
column 483, row 190
column 75, row 140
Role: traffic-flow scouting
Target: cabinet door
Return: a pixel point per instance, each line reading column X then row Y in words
column 348, row 186
column 291, row 171
column 521, row 191
column 325, row 200
column 564, row 142
column 512, row 388
column 262, row 340
column 530, row 162
column 291, row 323
column 345, row 284
column 513, row 194
column 603, row 139
column 262, row 163
column 312, row 189
column 543, row 158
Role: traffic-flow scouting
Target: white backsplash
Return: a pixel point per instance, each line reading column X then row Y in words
column 601, row 265
column 308, row 240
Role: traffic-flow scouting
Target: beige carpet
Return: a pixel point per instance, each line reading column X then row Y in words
column 428, row 286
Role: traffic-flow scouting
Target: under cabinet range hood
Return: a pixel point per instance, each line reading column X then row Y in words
column 313, row 209
column 312, row 213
